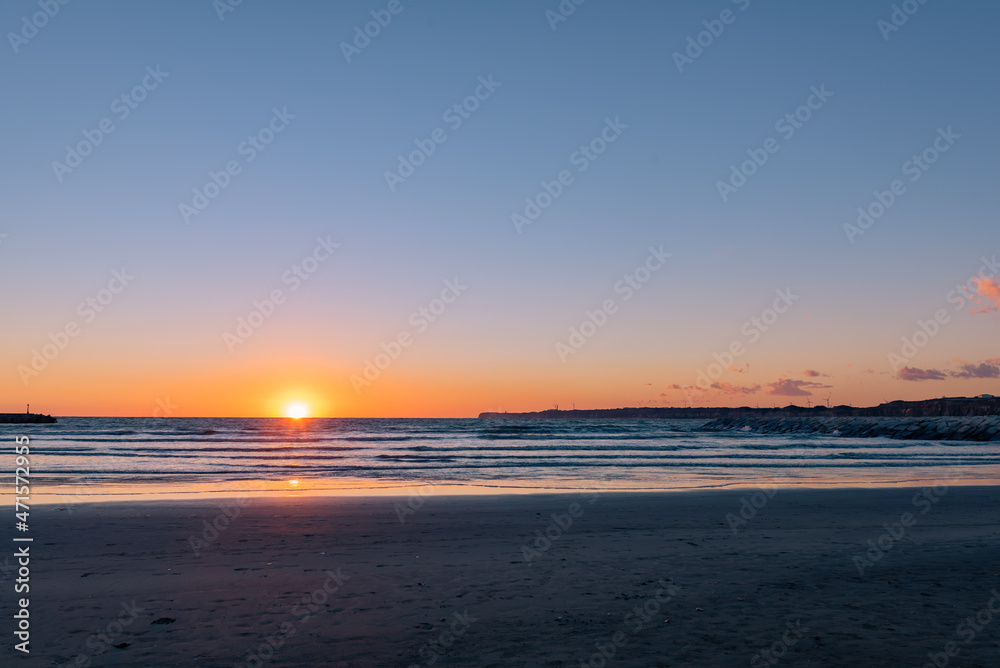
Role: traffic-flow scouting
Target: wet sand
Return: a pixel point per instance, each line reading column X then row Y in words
column 674, row 579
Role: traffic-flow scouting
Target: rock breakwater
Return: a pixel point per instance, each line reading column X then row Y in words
column 971, row 428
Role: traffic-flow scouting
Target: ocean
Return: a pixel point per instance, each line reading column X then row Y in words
column 90, row 458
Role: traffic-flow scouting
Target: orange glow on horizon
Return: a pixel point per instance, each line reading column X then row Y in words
column 270, row 388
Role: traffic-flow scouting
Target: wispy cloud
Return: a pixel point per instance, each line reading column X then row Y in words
column 716, row 389
column 785, row 387
column 912, row 373
column 812, row 373
column 729, row 388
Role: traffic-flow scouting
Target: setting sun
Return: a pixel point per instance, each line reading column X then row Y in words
column 297, row 411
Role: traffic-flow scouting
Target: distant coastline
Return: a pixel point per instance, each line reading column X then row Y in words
column 943, row 407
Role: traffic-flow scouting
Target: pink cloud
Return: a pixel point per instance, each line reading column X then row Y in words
column 812, row 373
column 784, row 387
column 988, row 292
column 911, row 373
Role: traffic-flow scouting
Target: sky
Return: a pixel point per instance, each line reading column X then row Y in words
column 433, row 209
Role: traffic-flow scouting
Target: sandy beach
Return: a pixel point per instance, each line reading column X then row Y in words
column 785, row 577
